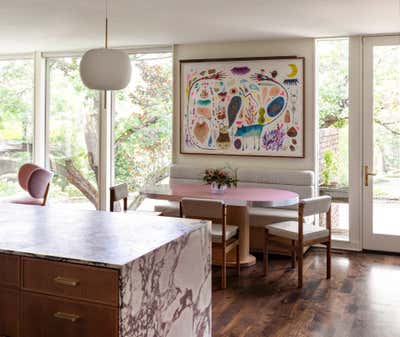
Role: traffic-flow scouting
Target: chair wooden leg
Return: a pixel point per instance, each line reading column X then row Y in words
column 46, row 194
column 293, row 252
column 223, row 270
column 300, row 265
column 265, row 260
column 237, row 260
column 328, row 259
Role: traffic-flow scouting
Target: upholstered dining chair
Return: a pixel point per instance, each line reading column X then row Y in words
column 224, row 237
column 304, row 234
column 36, row 181
column 120, row 192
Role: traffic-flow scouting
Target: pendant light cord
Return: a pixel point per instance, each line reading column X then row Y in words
column 106, row 37
column 106, row 45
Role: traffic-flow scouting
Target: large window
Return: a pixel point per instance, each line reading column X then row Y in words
column 333, row 109
column 69, row 135
column 73, row 142
column 16, row 121
column 143, row 123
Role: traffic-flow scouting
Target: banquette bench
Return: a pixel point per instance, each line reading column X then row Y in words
column 299, row 181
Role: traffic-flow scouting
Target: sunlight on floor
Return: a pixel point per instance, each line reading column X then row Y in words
column 384, row 294
column 386, row 213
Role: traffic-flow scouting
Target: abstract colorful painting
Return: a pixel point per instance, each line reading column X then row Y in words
column 243, row 107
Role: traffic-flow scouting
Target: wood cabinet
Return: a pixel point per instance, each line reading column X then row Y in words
column 97, row 285
column 42, row 298
column 65, row 318
column 9, row 312
column 9, row 270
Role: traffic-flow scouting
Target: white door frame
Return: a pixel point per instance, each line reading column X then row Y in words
column 372, row 241
column 355, row 145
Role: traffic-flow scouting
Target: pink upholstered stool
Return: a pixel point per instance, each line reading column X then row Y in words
column 36, row 181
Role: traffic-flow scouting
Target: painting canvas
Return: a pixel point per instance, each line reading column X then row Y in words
column 243, row 107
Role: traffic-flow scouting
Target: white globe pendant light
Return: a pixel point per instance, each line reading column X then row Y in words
column 105, row 68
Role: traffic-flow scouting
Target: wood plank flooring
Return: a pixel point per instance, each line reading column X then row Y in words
column 362, row 299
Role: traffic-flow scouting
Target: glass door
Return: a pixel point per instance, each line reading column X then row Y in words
column 381, row 152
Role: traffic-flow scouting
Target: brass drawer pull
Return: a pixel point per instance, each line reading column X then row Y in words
column 70, row 282
column 68, row 317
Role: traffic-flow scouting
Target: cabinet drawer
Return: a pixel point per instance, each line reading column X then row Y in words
column 46, row 316
column 9, row 270
column 9, row 311
column 87, row 283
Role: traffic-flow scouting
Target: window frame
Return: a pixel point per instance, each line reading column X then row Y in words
column 27, row 56
column 41, row 114
column 355, row 138
column 135, row 51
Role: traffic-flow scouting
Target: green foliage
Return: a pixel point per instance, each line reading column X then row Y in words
column 143, row 123
column 332, row 99
column 386, row 82
column 16, row 129
column 333, row 83
column 329, row 173
column 73, row 126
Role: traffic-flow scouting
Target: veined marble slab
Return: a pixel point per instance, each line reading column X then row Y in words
column 168, row 293
column 103, row 239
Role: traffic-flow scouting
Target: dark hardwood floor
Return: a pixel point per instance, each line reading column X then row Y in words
column 362, row 299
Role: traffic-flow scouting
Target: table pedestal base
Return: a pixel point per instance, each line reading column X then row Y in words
column 245, row 261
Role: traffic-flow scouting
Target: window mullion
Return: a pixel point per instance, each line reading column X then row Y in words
column 39, row 115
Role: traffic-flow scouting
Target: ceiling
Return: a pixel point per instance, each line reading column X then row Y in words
column 54, row 25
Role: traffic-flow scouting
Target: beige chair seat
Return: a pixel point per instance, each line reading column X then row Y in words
column 290, row 230
column 216, row 232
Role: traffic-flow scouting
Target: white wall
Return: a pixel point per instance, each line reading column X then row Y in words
column 281, row 47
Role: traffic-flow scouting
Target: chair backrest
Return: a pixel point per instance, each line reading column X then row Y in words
column 316, row 205
column 207, row 209
column 118, row 193
column 24, row 173
column 39, row 184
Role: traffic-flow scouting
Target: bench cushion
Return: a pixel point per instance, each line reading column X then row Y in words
column 276, row 176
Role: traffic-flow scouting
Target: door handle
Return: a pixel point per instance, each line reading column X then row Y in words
column 367, row 174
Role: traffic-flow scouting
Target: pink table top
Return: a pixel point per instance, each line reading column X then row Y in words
column 241, row 195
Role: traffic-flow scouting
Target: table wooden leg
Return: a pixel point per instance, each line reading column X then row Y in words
column 238, row 216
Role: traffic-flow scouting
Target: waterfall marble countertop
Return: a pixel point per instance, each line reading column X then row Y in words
column 103, row 239
column 161, row 267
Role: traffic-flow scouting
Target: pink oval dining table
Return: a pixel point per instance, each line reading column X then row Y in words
column 238, row 200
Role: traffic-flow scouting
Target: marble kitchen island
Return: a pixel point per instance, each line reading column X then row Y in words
column 85, row 273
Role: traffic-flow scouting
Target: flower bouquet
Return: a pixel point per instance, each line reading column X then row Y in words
column 220, row 179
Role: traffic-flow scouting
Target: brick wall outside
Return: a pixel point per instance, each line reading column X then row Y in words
column 328, row 140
